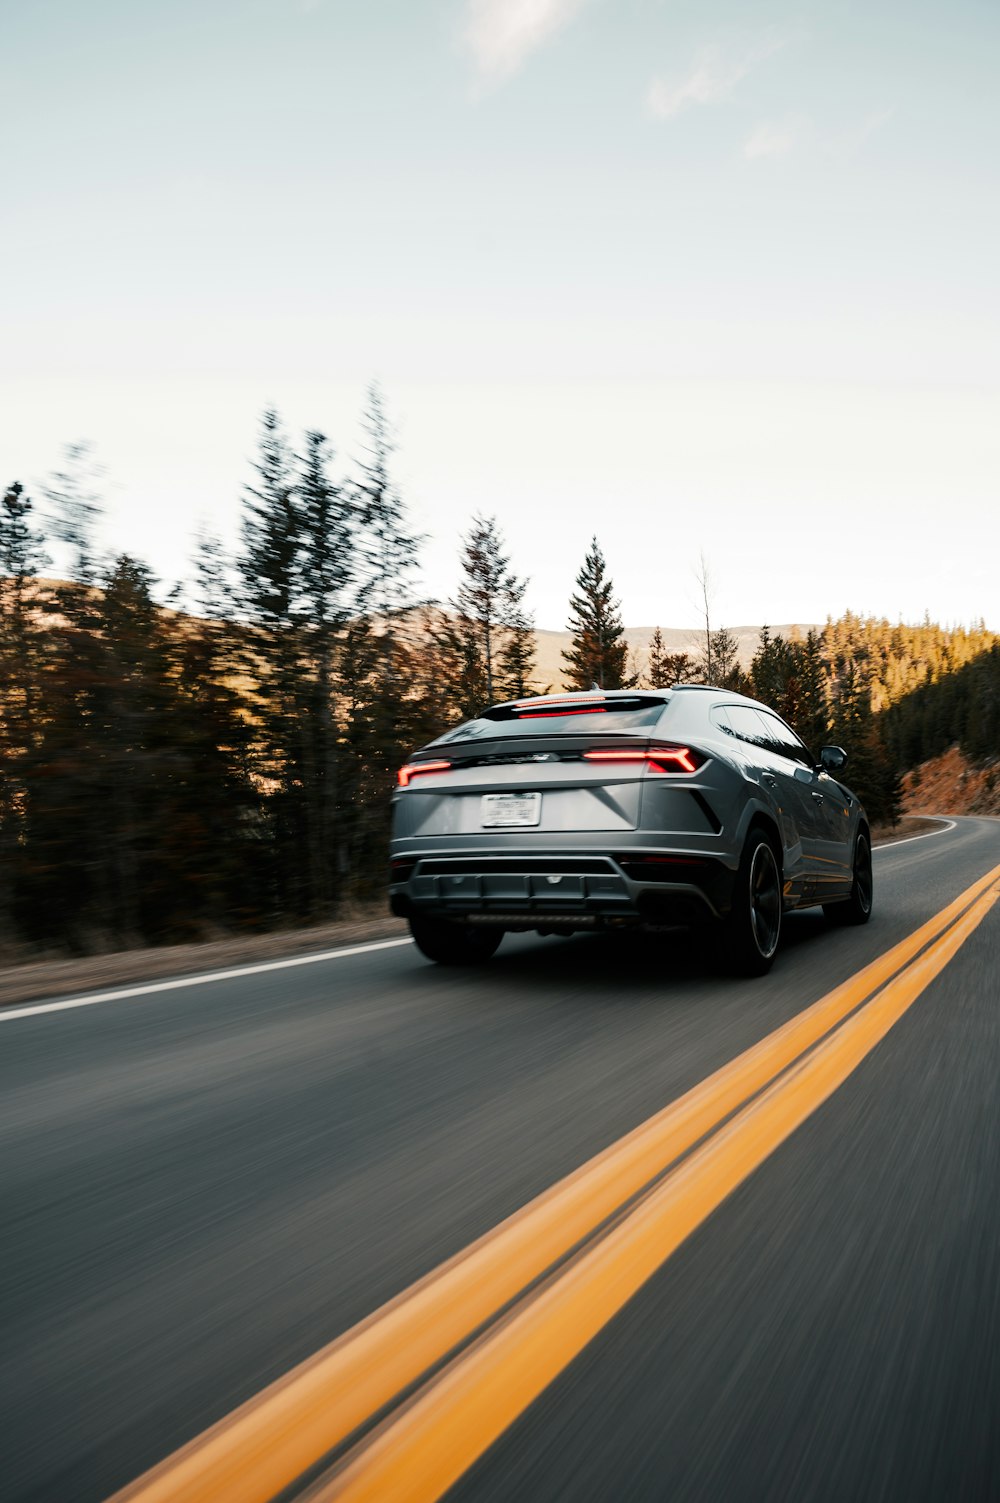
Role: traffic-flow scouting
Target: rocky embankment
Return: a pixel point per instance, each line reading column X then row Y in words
column 951, row 784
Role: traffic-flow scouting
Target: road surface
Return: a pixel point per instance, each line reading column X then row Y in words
column 203, row 1185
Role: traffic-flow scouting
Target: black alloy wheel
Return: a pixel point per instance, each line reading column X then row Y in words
column 753, row 926
column 447, row 943
column 857, row 908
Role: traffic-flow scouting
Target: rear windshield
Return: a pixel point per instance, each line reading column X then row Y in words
column 637, row 714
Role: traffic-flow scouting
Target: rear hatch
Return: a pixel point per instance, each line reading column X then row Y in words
column 538, row 767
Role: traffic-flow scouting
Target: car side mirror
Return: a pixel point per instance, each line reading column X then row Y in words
column 832, row 758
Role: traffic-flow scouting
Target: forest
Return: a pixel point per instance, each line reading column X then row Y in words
column 171, row 774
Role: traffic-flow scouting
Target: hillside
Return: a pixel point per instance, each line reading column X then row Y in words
column 551, row 644
column 952, row 784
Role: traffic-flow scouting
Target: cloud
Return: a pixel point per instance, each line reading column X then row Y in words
column 710, row 78
column 501, row 34
column 773, row 138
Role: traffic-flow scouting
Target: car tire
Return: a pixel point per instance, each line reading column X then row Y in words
column 447, row 943
column 752, row 928
column 857, row 908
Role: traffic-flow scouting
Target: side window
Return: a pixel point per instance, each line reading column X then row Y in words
column 783, row 740
column 749, row 726
column 720, row 718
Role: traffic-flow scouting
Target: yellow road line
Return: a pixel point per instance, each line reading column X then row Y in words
column 418, row 1454
column 268, row 1442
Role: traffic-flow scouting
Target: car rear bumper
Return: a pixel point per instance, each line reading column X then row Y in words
column 646, row 889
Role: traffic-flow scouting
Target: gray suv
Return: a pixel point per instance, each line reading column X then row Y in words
column 622, row 810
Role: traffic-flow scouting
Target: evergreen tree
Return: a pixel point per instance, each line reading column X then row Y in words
column 666, row 668
column 327, row 526
column 271, row 603
column 812, row 714
column 495, row 630
column 388, row 550
column 272, row 538
column 76, row 509
column 457, row 664
column 788, row 676
column 598, row 652
column 517, row 656
column 656, row 671
column 134, row 815
column 871, row 771
column 377, row 658
column 21, row 556
column 725, row 663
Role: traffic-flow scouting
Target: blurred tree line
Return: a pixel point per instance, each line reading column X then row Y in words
column 169, row 774
column 891, row 695
column 960, row 705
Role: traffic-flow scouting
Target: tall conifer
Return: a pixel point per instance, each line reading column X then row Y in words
column 598, row 652
column 491, row 620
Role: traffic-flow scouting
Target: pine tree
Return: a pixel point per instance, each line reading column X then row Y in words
column 272, row 535
column 76, row 509
column 812, row 716
column 598, row 652
column 495, row 629
column 872, row 772
column 388, row 550
column 21, row 556
column 725, row 663
column 327, row 528
column 378, row 649
column 271, row 603
column 680, row 668
column 136, row 821
column 657, row 668
column 517, row 656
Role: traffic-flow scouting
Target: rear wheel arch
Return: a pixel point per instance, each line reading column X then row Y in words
column 769, row 828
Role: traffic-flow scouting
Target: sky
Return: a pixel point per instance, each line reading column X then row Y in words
column 703, row 279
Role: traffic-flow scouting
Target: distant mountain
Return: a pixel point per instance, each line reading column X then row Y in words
column 550, row 645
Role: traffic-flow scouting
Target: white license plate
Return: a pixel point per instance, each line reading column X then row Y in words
column 501, row 810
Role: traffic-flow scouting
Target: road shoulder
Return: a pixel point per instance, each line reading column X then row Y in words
column 45, row 980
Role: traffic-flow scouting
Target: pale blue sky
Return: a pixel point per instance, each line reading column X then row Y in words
column 694, row 276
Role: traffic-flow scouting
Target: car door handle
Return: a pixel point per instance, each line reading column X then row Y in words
column 769, row 779
column 818, row 797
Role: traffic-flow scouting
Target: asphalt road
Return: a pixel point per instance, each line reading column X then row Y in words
column 200, row 1187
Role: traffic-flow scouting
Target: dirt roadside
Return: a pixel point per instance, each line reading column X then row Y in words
column 46, row 980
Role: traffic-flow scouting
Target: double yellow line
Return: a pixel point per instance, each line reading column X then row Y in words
column 501, row 1320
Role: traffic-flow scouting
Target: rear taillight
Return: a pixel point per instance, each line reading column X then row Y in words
column 411, row 770
column 662, row 759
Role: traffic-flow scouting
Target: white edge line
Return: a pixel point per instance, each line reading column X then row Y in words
column 8, row 1014
column 890, row 845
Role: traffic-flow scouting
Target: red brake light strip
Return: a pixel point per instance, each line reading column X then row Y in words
column 575, row 710
column 680, row 756
column 412, row 770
